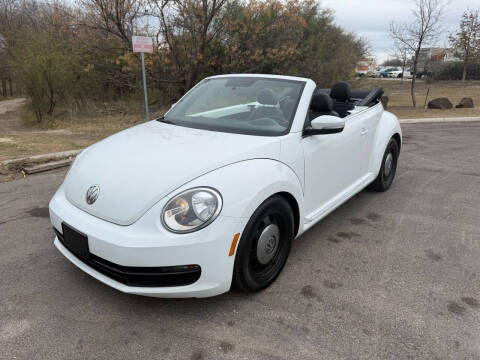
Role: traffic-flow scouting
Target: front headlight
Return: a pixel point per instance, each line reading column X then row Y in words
column 191, row 210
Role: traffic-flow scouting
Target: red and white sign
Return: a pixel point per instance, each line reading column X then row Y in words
column 142, row 44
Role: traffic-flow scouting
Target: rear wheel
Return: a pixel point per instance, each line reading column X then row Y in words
column 264, row 246
column 388, row 169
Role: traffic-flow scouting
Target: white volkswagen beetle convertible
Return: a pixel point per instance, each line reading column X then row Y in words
column 212, row 194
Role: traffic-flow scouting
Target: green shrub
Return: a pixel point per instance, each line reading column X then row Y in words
column 454, row 71
column 50, row 69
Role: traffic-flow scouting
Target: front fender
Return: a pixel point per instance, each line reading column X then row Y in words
column 246, row 184
column 387, row 127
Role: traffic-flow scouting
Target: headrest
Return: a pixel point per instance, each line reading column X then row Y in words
column 341, row 91
column 321, row 103
column 267, row 97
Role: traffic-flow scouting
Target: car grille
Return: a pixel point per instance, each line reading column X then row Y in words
column 139, row 276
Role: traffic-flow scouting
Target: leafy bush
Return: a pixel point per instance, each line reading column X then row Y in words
column 82, row 54
column 454, row 71
column 50, row 69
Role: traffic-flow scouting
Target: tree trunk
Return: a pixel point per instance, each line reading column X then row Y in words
column 4, row 87
column 10, row 86
column 414, row 78
column 412, row 90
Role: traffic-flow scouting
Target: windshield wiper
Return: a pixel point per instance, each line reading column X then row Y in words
column 164, row 120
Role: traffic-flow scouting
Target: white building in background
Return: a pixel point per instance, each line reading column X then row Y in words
column 432, row 56
column 365, row 66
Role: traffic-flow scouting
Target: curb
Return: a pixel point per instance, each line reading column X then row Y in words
column 439, row 120
column 57, row 155
column 51, row 165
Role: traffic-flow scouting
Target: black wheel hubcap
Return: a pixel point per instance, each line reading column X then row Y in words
column 266, row 245
column 388, row 167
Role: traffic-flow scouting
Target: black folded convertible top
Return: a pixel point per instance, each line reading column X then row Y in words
column 360, row 97
column 372, row 97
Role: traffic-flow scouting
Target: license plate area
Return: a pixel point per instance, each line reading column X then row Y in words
column 75, row 241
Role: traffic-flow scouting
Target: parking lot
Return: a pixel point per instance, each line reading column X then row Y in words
column 390, row 275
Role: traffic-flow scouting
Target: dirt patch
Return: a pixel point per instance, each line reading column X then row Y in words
column 10, row 119
column 17, row 140
column 10, row 105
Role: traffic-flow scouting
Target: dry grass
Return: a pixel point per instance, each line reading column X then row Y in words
column 69, row 132
column 400, row 102
column 75, row 133
column 64, row 137
column 66, row 132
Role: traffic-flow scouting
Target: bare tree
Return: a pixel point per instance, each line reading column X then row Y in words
column 188, row 28
column 466, row 41
column 114, row 17
column 423, row 30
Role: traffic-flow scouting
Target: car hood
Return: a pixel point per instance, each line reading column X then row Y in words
column 137, row 167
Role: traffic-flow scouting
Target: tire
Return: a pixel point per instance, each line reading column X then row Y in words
column 264, row 246
column 387, row 172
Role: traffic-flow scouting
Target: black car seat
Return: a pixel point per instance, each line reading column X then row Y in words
column 321, row 104
column 267, row 97
column 342, row 94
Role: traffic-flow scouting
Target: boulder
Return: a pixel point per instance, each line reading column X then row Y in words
column 465, row 103
column 440, row 103
column 384, row 101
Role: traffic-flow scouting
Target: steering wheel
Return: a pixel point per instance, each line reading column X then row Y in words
column 286, row 97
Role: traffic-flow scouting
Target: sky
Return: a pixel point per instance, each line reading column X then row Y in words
column 371, row 19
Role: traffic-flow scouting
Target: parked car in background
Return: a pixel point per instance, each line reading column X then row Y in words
column 407, row 74
column 396, row 72
column 378, row 71
column 211, row 195
column 391, row 72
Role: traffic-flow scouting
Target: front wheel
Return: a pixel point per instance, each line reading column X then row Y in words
column 264, row 246
column 388, row 169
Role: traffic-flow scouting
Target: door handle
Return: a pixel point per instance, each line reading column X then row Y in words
column 363, row 131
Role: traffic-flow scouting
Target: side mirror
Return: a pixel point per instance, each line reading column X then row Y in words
column 325, row 124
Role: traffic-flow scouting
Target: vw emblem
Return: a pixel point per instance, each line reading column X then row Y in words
column 92, row 194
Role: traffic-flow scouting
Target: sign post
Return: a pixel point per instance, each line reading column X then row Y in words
column 142, row 45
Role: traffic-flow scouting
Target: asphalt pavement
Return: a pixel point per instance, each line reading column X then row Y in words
column 390, row 275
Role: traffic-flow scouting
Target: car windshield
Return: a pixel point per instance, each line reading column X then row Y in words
column 242, row 105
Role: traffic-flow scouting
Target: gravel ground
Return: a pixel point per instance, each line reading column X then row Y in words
column 391, row 275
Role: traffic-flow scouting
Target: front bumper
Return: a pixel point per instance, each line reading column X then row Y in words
column 146, row 244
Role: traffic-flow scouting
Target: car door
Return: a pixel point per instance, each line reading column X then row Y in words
column 334, row 164
column 371, row 119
